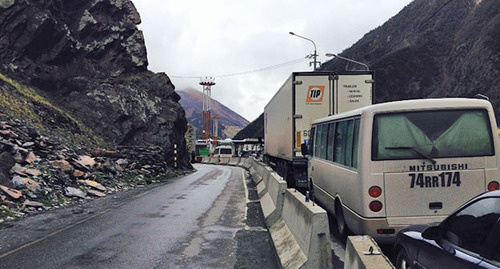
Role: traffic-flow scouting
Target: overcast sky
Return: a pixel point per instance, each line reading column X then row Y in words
column 220, row 38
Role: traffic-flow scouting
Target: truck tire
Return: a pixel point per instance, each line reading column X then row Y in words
column 290, row 179
column 311, row 190
column 287, row 178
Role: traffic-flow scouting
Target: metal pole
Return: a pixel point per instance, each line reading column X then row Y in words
column 175, row 156
column 315, row 52
column 347, row 59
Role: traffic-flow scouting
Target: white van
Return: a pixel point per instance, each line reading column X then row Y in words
column 381, row 168
column 224, row 151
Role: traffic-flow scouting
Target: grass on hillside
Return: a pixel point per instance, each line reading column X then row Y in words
column 24, row 103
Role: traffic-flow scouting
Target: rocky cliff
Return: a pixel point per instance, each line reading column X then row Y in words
column 88, row 58
column 80, row 114
column 433, row 48
column 253, row 130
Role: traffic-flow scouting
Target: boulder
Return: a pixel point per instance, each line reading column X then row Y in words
column 74, row 192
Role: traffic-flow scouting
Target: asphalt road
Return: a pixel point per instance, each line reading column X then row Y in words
column 207, row 219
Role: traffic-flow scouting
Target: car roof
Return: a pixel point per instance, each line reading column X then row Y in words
column 488, row 194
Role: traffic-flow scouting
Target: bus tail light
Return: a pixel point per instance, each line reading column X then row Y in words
column 493, row 186
column 376, row 206
column 375, row 191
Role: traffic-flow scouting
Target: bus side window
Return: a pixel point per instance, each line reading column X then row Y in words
column 348, row 143
column 355, row 145
column 331, row 133
column 340, row 139
column 317, row 140
column 322, row 141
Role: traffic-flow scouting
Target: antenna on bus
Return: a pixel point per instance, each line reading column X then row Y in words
column 481, row 96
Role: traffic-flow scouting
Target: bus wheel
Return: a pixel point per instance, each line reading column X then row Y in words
column 341, row 225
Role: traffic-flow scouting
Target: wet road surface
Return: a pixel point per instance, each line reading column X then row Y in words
column 197, row 221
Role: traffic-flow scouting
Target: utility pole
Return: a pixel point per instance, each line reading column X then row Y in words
column 315, row 52
column 207, row 84
column 216, row 129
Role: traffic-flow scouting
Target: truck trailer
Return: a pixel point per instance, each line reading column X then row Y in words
column 303, row 98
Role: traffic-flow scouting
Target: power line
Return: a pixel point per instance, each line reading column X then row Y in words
column 434, row 14
column 262, row 69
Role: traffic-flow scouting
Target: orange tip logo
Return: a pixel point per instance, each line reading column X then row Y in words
column 315, row 94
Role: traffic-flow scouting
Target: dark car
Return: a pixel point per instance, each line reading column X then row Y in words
column 468, row 238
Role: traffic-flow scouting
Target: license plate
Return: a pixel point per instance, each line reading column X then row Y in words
column 442, row 180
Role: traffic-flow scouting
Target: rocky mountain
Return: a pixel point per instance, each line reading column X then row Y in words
column 253, row 130
column 80, row 114
column 433, row 48
column 229, row 122
column 88, row 58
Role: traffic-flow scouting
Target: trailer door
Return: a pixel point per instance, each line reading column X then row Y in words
column 353, row 91
column 312, row 96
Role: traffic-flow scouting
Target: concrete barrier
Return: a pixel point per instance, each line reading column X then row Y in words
column 256, row 171
column 265, row 174
column 302, row 236
column 224, row 160
column 272, row 200
column 299, row 229
column 247, row 163
column 213, row 160
column 358, row 254
column 252, row 171
column 234, row 161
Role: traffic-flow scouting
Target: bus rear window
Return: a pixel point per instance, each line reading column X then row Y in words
column 432, row 134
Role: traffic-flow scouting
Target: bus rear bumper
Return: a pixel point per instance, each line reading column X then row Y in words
column 380, row 229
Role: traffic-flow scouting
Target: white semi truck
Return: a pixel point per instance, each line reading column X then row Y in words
column 303, row 98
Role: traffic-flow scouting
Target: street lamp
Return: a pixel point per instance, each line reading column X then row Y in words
column 315, row 53
column 347, row 59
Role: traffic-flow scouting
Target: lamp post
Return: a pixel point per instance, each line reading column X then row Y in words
column 347, row 59
column 315, row 53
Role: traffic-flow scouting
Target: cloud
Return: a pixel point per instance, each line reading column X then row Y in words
column 220, row 37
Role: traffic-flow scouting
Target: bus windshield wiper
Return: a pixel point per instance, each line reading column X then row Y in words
column 416, row 151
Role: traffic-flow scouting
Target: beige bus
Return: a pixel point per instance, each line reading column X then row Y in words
column 383, row 167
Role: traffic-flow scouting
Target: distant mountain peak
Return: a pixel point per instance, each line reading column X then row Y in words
column 230, row 122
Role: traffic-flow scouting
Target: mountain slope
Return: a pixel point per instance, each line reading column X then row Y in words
column 229, row 122
column 253, row 130
column 437, row 48
column 88, row 59
column 432, row 48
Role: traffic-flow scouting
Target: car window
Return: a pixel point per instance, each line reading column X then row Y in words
column 470, row 227
column 491, row 248
column 496, row 254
